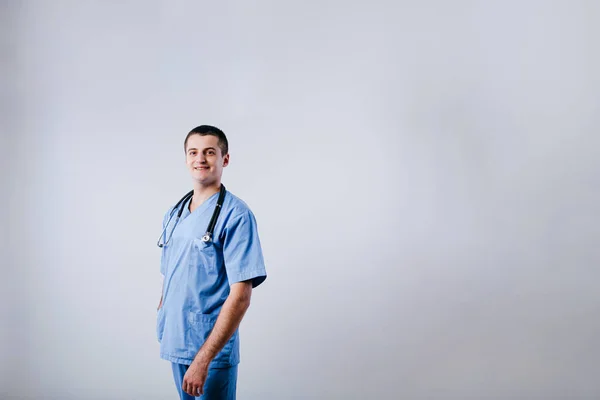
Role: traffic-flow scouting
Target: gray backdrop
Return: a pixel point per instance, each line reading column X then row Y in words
column 425, row 177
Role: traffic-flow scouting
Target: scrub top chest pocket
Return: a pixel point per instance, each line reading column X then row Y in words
column 203, row 256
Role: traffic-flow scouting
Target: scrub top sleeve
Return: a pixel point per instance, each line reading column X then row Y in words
column 242, row 252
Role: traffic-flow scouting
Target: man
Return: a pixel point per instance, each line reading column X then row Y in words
column 211, row 260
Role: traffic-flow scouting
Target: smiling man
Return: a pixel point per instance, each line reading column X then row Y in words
column 211, row 260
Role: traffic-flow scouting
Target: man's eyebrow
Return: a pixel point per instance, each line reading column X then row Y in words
column 206, row 148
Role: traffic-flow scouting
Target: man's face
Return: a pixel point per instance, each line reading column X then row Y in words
column 204, row 159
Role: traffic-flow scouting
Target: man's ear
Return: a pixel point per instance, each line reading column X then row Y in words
column 226, row 160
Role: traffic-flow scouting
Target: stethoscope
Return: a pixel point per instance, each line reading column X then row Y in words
column 181, row 204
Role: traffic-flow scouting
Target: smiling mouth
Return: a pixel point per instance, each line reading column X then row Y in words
column 200, row 168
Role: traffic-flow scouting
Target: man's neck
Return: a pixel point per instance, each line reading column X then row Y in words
column 202, row 193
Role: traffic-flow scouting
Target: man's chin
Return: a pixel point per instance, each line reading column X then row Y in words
column 204, row 180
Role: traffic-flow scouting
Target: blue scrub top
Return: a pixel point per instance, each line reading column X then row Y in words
column 197, row 276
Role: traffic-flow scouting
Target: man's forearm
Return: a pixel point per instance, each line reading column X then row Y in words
column 229, row 319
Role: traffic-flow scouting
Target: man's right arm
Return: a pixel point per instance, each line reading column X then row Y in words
column 161, row 294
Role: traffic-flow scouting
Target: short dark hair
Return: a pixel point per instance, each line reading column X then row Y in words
column 209, row 130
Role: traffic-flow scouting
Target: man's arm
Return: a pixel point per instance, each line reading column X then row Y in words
column 228, row 321
column 161, row 293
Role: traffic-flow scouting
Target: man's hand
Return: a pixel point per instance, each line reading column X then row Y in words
column 159, row 304
column 193, row 381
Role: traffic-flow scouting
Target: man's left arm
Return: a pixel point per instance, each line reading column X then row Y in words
column 227, row 323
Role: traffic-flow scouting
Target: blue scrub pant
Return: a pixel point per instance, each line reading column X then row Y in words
column 220, row 383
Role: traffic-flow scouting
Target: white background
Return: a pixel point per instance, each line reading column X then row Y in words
column 425, row 176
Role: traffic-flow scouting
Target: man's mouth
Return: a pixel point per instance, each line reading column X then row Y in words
column 200, row 168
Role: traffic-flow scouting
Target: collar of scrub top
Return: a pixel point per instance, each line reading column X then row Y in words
column 181, row 204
